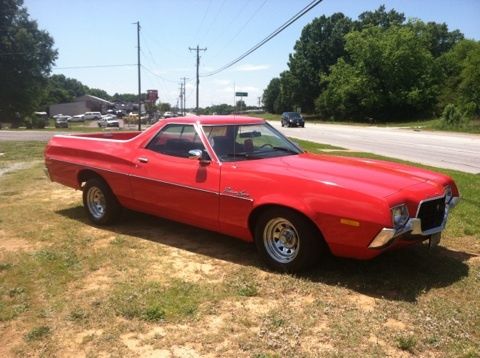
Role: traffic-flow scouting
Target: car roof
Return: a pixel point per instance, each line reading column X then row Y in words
column 216, row 120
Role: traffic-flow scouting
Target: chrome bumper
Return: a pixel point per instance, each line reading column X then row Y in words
column 386, row 236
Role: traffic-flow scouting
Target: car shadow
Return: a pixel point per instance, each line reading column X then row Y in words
column 401, row 275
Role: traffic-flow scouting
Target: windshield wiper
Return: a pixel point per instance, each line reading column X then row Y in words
column 284, row 149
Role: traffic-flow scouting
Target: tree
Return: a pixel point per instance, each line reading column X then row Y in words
column 320, row 45
column 270, row 95
column 61, row 89
column 97, row 92
column 437, row 36
column 127, row 97
column 379, row 18
column 26, row 57
column 462, row 81
column 390, row 74
column 164, row 107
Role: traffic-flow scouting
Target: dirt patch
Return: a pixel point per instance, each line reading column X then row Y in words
column 362, row 302
column 394, row 324
column 16, row 166
column 9, row 243
column 97, row 280
column 9, row 338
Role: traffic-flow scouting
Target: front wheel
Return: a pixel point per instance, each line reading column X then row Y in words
column 286, row 240
column 101, row 205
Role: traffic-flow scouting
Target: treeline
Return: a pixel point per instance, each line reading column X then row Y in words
column 61, row 89
column 379, row 67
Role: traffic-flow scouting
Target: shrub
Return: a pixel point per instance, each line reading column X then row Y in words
column 456, row 117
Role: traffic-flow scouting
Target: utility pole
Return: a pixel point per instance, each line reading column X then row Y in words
column 198, row 49
column 139, row 78
column 184, row 95
column 181, row 97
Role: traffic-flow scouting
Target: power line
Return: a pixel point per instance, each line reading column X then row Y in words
column 214, row 19
column 203, row 18
column 243, row 26
column 268, row 38
column 157, row 75
column 93, row 66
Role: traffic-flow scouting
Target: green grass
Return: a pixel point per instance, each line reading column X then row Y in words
column 21, row 151
column 153, row 301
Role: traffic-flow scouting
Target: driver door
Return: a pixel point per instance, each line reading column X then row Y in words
column 169, row 184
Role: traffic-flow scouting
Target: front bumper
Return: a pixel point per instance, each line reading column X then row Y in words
column 387, row 236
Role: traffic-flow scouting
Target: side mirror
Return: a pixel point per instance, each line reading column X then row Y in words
column 195, row 154
column 200, row 155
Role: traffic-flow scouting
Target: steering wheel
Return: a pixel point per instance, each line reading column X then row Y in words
column 266, row 145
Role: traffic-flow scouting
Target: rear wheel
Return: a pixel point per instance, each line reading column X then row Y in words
column 286, row 240
column 101, row 205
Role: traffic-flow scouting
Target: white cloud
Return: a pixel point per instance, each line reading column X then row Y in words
column 250, row 68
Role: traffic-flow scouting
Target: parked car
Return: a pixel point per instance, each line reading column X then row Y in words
column 292, row 119
column 77, row 118
column 61, row 121
column 241, row 177
column 168, row 115
column 108, row 120
column 92, row 115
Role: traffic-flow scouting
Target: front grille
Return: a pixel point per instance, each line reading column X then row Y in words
column 432, row 213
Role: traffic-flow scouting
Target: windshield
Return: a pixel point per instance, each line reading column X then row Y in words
column 248, row 142
column 293, row 115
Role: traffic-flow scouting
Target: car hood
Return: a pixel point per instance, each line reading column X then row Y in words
column 374, row 177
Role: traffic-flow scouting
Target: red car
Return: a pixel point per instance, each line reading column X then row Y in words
column 241, row 177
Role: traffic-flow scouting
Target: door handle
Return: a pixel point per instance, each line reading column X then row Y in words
column 143, row 160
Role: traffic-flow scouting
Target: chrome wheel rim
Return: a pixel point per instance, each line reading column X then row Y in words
column 96, row 202
column 281, row 240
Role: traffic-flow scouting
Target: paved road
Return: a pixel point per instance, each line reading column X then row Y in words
column 439, row 149
column 445, row 150
column 28, row 135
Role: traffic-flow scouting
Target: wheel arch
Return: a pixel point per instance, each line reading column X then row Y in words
column 86, row 174
column 259, row 210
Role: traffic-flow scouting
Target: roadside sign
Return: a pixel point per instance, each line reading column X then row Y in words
column 241, row 94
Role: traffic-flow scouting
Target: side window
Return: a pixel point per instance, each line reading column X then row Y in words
column 176, row 140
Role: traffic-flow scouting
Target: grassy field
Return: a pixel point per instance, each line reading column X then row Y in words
column 151, row 287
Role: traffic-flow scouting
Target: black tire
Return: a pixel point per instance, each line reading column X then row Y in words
column 301, row 244
column 283, row 125
column 101, row 205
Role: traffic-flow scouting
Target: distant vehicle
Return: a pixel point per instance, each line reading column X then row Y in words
column 108, row 120
column 292, row 119
column 58, row 115
column 77, row 118
column 61, row 121
column 92, row 115
column 168, row 115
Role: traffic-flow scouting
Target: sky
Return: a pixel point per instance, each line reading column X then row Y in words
column 101, row 32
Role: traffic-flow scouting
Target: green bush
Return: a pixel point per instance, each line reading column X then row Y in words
column 35, row 122
column 457, row 117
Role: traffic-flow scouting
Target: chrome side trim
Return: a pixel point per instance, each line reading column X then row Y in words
column 138, row 176
column 173, row 184
column 237, row 197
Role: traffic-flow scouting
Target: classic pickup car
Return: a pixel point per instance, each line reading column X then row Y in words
column 243, row 178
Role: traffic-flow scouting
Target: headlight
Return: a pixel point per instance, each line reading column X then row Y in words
column 448, row 194
column 400, row 216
